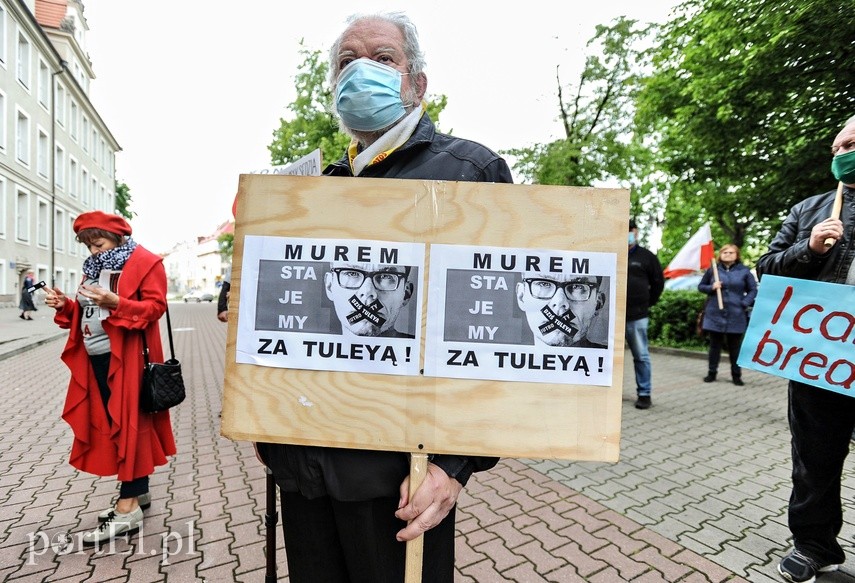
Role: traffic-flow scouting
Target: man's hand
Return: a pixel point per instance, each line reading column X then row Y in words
column 223, row 316
column 829, row 228
column 432, row 502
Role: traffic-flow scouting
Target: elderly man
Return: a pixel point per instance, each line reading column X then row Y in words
column 821, row 422
column 345, row 512
column 560, row 308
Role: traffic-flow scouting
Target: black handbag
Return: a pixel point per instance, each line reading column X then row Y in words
column 162, row 384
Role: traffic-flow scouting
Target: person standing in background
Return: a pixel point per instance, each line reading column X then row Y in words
column 223, row 298
column 104, row 351
column 727, row 325
column 27, row 305
column 644, row 285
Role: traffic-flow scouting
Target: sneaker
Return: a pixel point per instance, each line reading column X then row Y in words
column 798, row 568
column 116, row 525
column 145, row 504
column 643, row 403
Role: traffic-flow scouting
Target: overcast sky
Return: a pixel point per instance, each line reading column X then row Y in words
column 193, row 92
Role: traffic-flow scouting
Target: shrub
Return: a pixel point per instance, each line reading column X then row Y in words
column 673, row 320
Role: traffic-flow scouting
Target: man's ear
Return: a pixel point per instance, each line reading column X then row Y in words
column 328, row 279
column 601, row 300
column 421, row 86
column 521, row 295
column 408, row 292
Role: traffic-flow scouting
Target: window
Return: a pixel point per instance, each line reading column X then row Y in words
column 59, row 230
column 42, row 153
column 84, row 187
column 44, row 84
column 72, row 239
column 60, row 104
column 43, row 224
column 73, row 120
column 22, row 138
column 2, row 122
column 2, row 34
column 2, row 209
column 22, row 216
column 85, row 134
column 59, row 168
column 24, row 61
column 73, row 177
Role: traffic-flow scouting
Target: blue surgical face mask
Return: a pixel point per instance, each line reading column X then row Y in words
column 631, row 238
column 368, row 96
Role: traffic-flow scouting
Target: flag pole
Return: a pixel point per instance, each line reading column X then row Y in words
column 835, row 211
column 717, row 280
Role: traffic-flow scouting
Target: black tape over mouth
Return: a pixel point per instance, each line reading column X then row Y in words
column 554, row 321
column 363, row 312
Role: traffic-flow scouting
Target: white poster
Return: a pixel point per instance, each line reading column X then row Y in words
column 331, row 304
column 520, row 315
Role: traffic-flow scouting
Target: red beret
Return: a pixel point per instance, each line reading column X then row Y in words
column 103, row 221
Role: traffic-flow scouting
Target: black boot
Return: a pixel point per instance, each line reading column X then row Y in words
column 710, row 377
column 738, row 381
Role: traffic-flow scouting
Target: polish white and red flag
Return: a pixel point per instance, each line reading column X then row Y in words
column 697, row 254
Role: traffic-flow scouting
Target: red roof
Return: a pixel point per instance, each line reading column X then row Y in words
column 49, row 13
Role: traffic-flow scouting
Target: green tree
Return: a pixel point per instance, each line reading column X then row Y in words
column 745, row 100
column 226, row 244
column 596, row 115
column 311, row 124
column 123, row 200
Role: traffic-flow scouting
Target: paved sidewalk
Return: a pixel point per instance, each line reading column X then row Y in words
column 699, row 494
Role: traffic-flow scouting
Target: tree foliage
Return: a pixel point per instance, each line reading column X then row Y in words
column 312, row 124
column 226, row 245
column 743, row 105
column 123, row 200
column 596, row 115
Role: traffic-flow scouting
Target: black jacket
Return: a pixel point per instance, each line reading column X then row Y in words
column 349, row 474
column 789, row 254
column 644, row 283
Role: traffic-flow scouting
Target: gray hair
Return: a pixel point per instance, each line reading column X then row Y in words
column 412, row 49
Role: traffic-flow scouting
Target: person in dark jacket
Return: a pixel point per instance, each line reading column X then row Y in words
column 223, row 297
column 27, row 305
column 821, row 422
column 644, row 285
column 727, row 325
column 345, row 511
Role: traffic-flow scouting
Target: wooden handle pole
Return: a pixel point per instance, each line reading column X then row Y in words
column 716, row 279
column 835, row 211
column 415, row 547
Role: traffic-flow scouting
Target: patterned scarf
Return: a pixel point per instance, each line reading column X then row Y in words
column 113, row 259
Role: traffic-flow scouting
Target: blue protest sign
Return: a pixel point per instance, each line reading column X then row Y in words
column 803, row 330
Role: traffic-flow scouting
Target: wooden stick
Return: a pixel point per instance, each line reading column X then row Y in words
column 717, row 280
column 835, row 211
column 415, row 547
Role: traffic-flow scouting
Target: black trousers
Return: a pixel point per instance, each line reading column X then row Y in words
column 329, row 541
column 821, row 424
column 101, row 368
column 734, row 343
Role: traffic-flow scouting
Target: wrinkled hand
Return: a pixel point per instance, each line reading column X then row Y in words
column 54, row 298
column 716, row 285
column 432, row 502
column 102, row 297
column 832, row 228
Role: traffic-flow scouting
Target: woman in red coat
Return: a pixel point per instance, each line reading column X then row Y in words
column 122, row 297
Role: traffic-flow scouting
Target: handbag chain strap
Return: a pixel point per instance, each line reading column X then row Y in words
column 169, row 333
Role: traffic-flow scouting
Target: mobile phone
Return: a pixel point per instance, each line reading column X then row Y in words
column 35, row 287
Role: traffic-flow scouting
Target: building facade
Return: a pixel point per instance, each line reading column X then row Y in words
column 57, row 156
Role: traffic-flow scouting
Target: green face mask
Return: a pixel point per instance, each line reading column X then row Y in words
column 843, row 167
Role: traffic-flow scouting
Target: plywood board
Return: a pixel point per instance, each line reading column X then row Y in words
column 418, row 412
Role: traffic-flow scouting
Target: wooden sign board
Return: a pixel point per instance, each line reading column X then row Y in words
column 533, row 416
